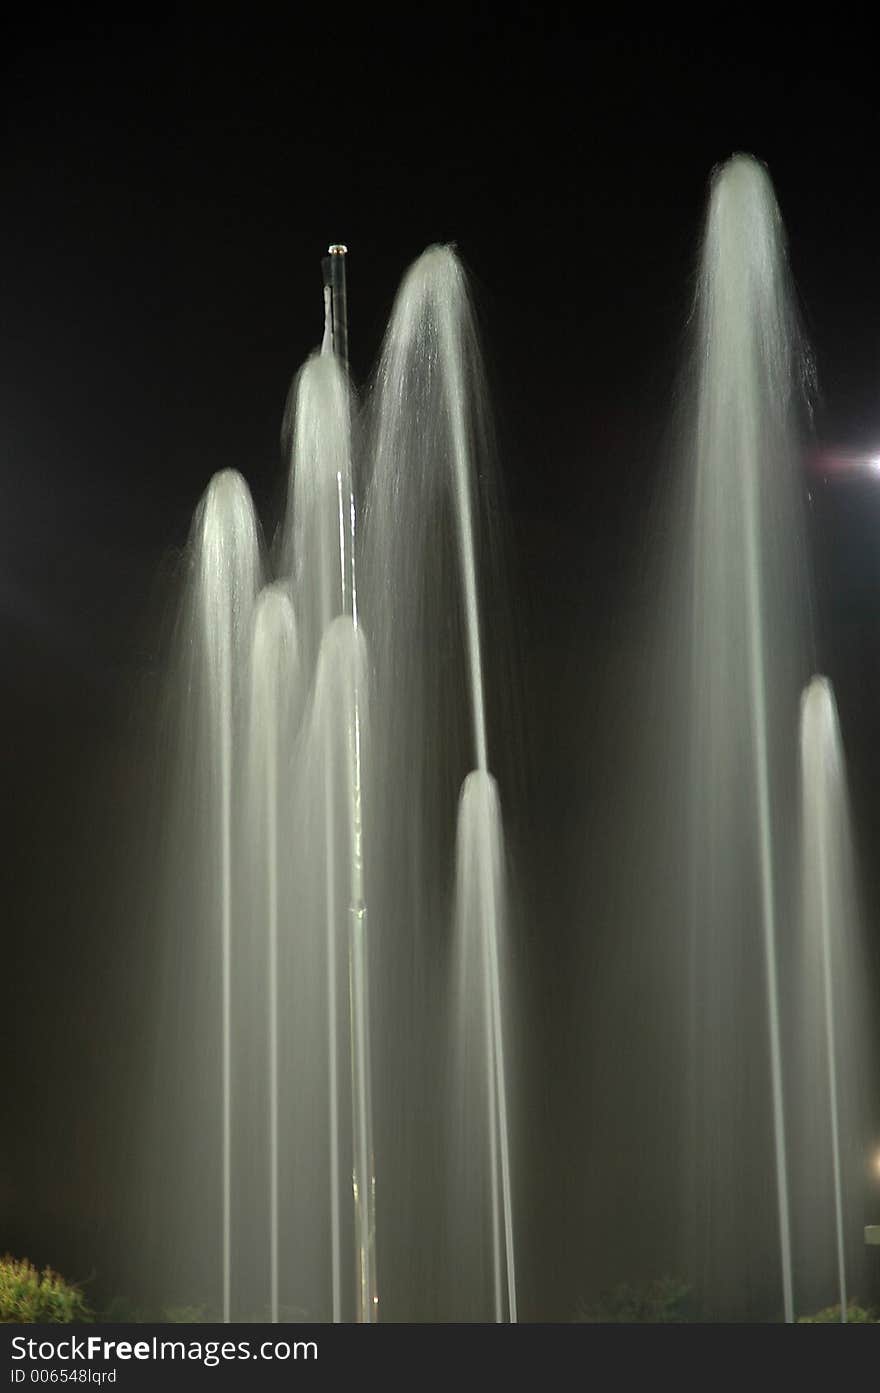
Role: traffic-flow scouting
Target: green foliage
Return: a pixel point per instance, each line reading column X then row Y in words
column 183, row 1315
column 855, row 1315
column 122, row 1311
column 661, row 1302
column 28, row 1296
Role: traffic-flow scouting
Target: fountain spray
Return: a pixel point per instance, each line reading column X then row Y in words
column 363, row 1178
column 747, row 652
column 487, row 838
column 427, row 446
column 228, row 577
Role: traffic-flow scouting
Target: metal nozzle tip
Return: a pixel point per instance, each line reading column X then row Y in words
column 337, row 249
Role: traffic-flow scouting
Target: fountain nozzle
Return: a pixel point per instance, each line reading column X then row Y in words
column 333, row 267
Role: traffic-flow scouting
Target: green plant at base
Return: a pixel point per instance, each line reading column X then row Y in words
column 855, row 1315
column 182, row 1315
column 28, row 1296
column 123, row 1311
column 662, row 1302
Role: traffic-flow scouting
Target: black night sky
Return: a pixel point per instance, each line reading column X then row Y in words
column 169, row 188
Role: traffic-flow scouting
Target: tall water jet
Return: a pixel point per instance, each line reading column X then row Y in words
column 481, row 1177
column 314, row 555
column 828, row 1044
column 276, row 700
column 429, row 405
column 330, row 795
column 743, row 666
column 319, row 552
column 228, row 579
column 426, row 501
column 282, row 809
column 224, row 577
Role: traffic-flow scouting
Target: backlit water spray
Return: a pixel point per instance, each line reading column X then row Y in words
column 426, row 452
column 228, row 575
column 747, row 640
column 822, row 796
column 828, row 1048
column 319, row 551
column 275, row 701
column 297, row 808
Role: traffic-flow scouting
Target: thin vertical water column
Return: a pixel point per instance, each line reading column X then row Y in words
column 315, row 556
column 768, row 863
column 827, row 1043
column 228, row 579
column 320, row 551
column 480, row 891
column 336, row 738
column 275, row 698
column 364, row 1179
column 451, row 357
column 430, row 352
column 748, row 628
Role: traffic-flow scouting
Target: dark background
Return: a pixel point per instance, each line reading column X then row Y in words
column 168, row 189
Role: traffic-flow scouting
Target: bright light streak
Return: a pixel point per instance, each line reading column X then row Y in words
column 836, row 462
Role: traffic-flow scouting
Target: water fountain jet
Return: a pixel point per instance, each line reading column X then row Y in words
column 275, row 702
column 747, row 639
column 227, row 579
column 828, row 1045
